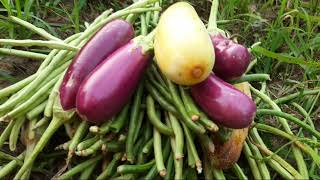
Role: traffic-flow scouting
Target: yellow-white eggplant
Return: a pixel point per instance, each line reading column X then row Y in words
column 183, row 49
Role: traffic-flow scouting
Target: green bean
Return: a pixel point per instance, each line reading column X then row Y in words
column 156, row 14
column 191, row 108
column 64, row 146
column 33, row 28
column 92, row 149
column 290, row 97
column 192, row 148
column 148, row 131
column 290, row 118
column 178, row 136
column 191, row 160
column 264, row 171
column 51, row 129
column 38, row 94
column 5, row 170
column 169, row 168
column 16, row 87
column 6, row 133
column 111, row 168
column 103, row 129
column 148, row 147
column 162, row 128
column 159, row 87
column 15, row 133
column 162, row 101
column 80, row 167
column 262, row 90
column 120, row 120
column 153, row 171
column 52, row 96
column 250, row 66
column 178, row 103
column 207, row 123
column 158, row 153
column 36, row 111
column 178, row 164
column 87, row 173
column 252, row 77
column 134, row 117
column 252, row 163
column 238, row 171
column 208, row 174
column 307, row 149
column 281, row 161
column 296, row 152
column 158, row 75
column 138, row 146
column 43, row 121
column 138, row 126
column 102, row 16
column 24, row 54
column 218, row 174
column 29, row 42
column 207, row 144
column 87, row 143
column 128, row 169
column 79, row 134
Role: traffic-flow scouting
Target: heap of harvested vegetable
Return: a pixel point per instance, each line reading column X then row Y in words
column 139, row 116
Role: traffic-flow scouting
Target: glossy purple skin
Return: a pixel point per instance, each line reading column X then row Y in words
column 232, row 59
column 225, row 104
column 109, row 87
column 111, row 37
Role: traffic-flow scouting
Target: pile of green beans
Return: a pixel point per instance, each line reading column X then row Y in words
column 160, row 133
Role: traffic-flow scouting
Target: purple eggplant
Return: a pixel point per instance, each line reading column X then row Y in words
column 109, row 87
column 223, row 103
column 111, row 37
column 232, row 59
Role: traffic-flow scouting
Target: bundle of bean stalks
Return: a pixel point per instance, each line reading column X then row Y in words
column 148, row 92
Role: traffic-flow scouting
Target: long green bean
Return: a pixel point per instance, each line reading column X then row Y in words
column 178, row 132
column 158, row 153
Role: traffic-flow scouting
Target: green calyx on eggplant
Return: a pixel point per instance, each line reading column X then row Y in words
column 223, row 103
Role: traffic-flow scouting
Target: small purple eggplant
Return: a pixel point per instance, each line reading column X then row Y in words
column 109, row 87
column 224, row 103
column 232, row 59
column 111, row 37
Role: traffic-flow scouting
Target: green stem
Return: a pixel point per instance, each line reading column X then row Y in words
column 92, row 149
column 264, row 171
column 5, row 170
column 148, row 147
column 6, row 133
column 87, row 173
column 218, row 174
column 212, row 23
column 138, row 126
column 16, row 87
column 23, row 54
